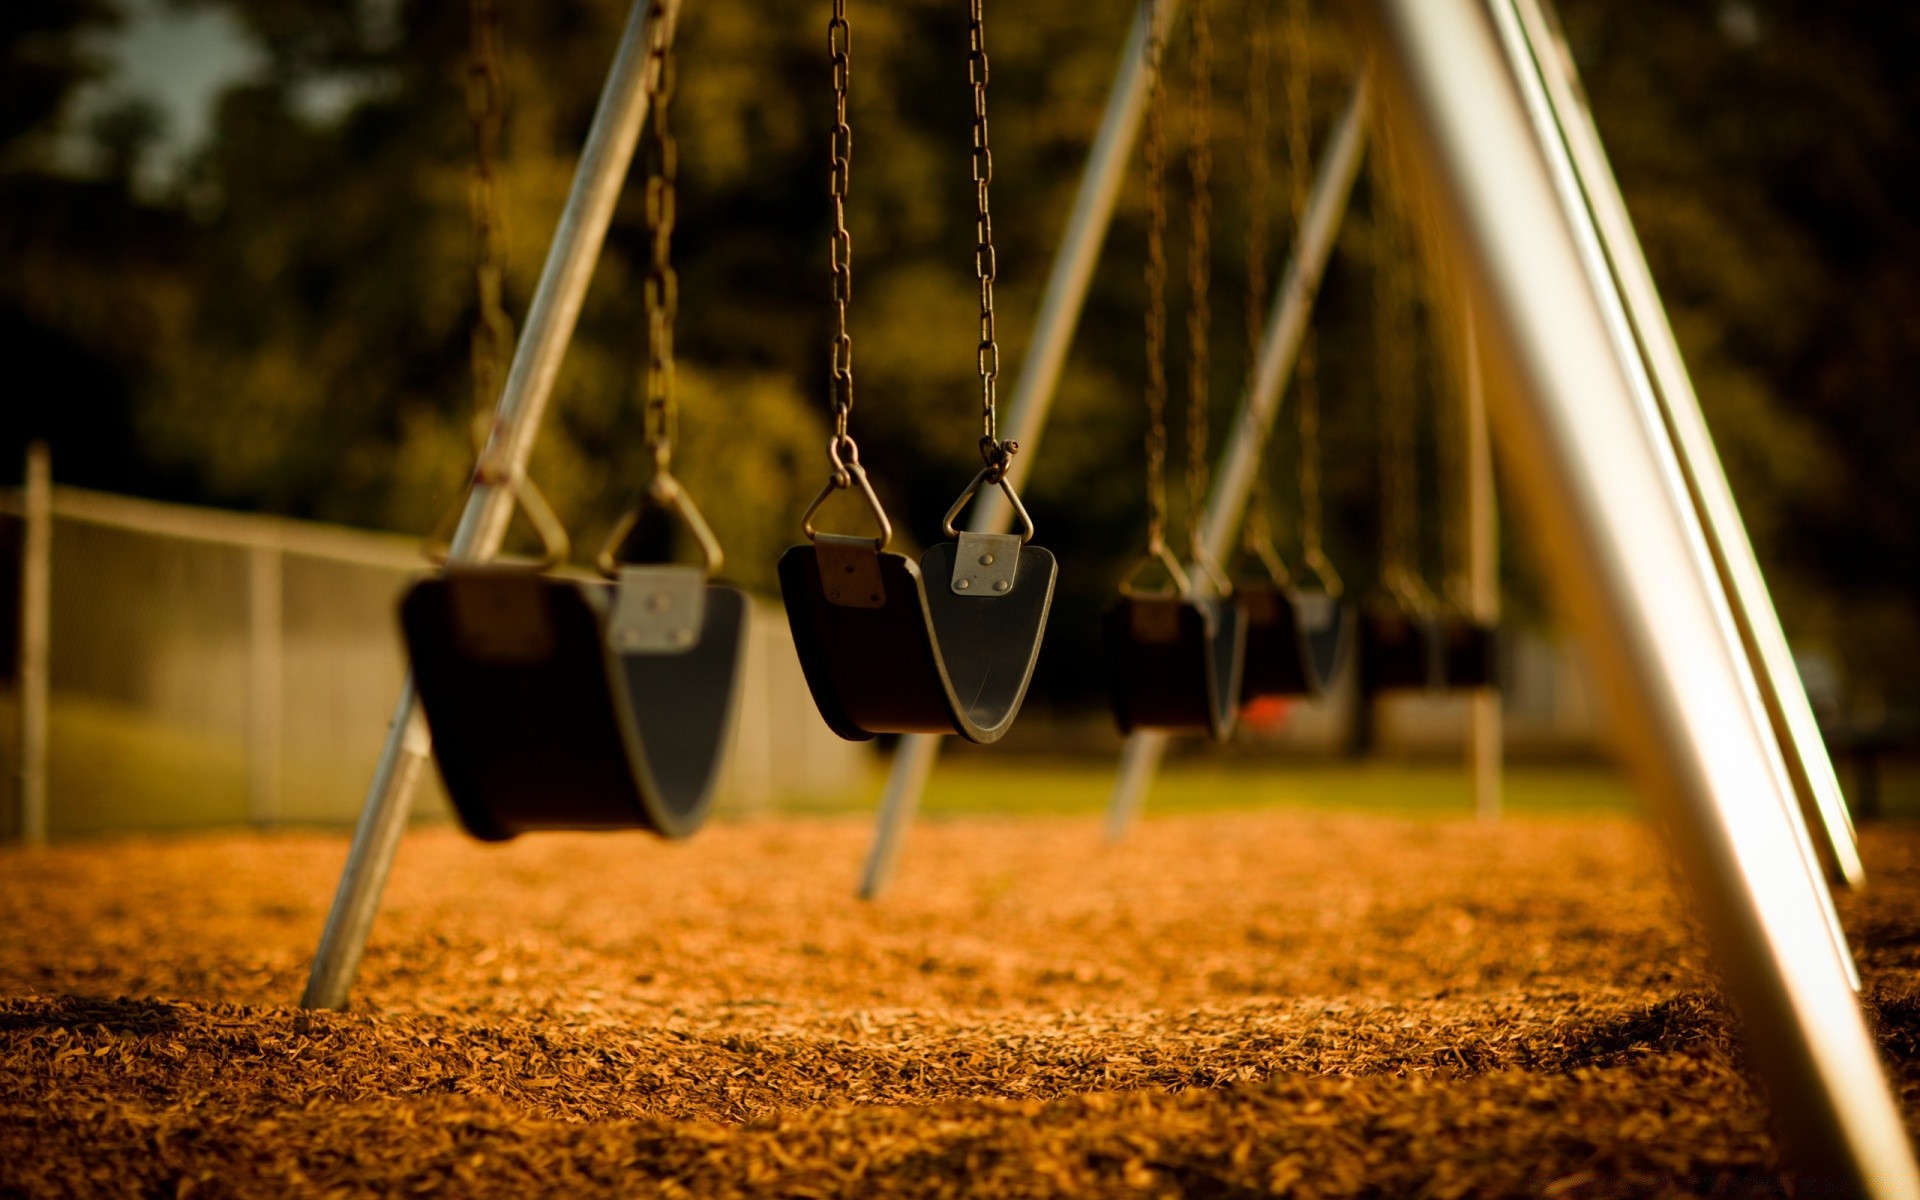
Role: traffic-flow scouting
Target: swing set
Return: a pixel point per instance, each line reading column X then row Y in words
column 552, row 701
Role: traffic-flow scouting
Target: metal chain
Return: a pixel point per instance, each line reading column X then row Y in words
column 491, row 341
column 1306, row 368
column 1392, row 322
column 1199, row 269
column 662, row 287
column 1154, row 152
column 842, row 450
column 996, row 453
column 1256, row 530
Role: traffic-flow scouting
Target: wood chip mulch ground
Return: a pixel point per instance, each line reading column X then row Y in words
column 1230, row 1005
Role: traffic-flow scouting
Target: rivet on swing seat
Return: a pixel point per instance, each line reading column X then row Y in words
column 557, row 703
column 1400, row 650
column 1175, row 662
column 1296, row 640
column 947, row 646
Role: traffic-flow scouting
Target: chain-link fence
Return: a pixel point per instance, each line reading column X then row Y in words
column 208, row 668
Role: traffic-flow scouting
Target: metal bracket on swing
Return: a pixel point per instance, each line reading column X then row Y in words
column 985, row 564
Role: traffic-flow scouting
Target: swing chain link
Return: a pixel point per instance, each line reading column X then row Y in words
column 1256, row 531
column 491, row 341
column 490, row 344
column 1153, row 153
column 1199, row 279
column 995, row 453
column 1394, row 318
column 662, row 285
column 1307, row 380
column 841, row 451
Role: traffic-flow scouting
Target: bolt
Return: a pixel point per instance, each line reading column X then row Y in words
column 986, row 560
column 659, row 602
column 963, row 584
column 1001, row 585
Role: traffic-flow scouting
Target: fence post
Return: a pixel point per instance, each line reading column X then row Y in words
column 266, row 656
column 36, row 578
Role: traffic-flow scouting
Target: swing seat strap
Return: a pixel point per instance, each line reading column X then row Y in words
column 566, row 704
column 1176, row 662
column 1401, row 650
column 1297, row 641
column 947, row 646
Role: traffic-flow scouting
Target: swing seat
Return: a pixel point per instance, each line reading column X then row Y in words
column 570, row 704
column 1296, row 640
column 1401, row 651
column 1470, row 653
column 1175, row 662
column 891, row 647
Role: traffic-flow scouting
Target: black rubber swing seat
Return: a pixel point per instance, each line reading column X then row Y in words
column 1470, row 652
column 1297, row 641
column 1401, row 650
column 891, row 647
column 573, row 704
column 1175, row 662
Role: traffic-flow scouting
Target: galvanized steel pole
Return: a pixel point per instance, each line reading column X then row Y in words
column 1240, row 457
column 1591, row 460
column 1815, row 785
column 1537, row 102
column 537, row 355
column 1026, row 419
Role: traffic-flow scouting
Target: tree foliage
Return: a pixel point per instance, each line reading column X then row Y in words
column 286, row 329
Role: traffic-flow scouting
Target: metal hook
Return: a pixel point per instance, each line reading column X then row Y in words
column 555, row 545
column 663, row 491
column 1322, row 568
column 1156, row 552
column 987, row 475
column 848, row 473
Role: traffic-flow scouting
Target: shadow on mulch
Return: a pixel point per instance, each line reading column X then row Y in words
column 118, row 1014
column 1684, row 1024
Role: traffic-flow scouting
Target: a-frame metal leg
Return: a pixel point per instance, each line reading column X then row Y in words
column 1815, row 784
column 1059, row 313
column 1240, row 457
column 543, row 343
column 1549, row 127
column 1595, row 472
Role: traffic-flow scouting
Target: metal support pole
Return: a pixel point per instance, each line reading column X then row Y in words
column 36, row 610
column 1594, row 467
column 1053, row 328
column 483, row 524
column 1483, row 575
column 1590, row 240
column 1816, row 786
column 266, row 679
column 1240, row 457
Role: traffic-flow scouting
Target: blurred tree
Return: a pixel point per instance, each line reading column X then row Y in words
column 286, row 329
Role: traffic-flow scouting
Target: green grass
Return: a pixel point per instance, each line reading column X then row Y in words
column 111, row 772
column 978, row 785
column 112, row 769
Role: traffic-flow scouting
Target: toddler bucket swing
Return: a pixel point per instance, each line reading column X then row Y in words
column 948, row 645
column 566, row 703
